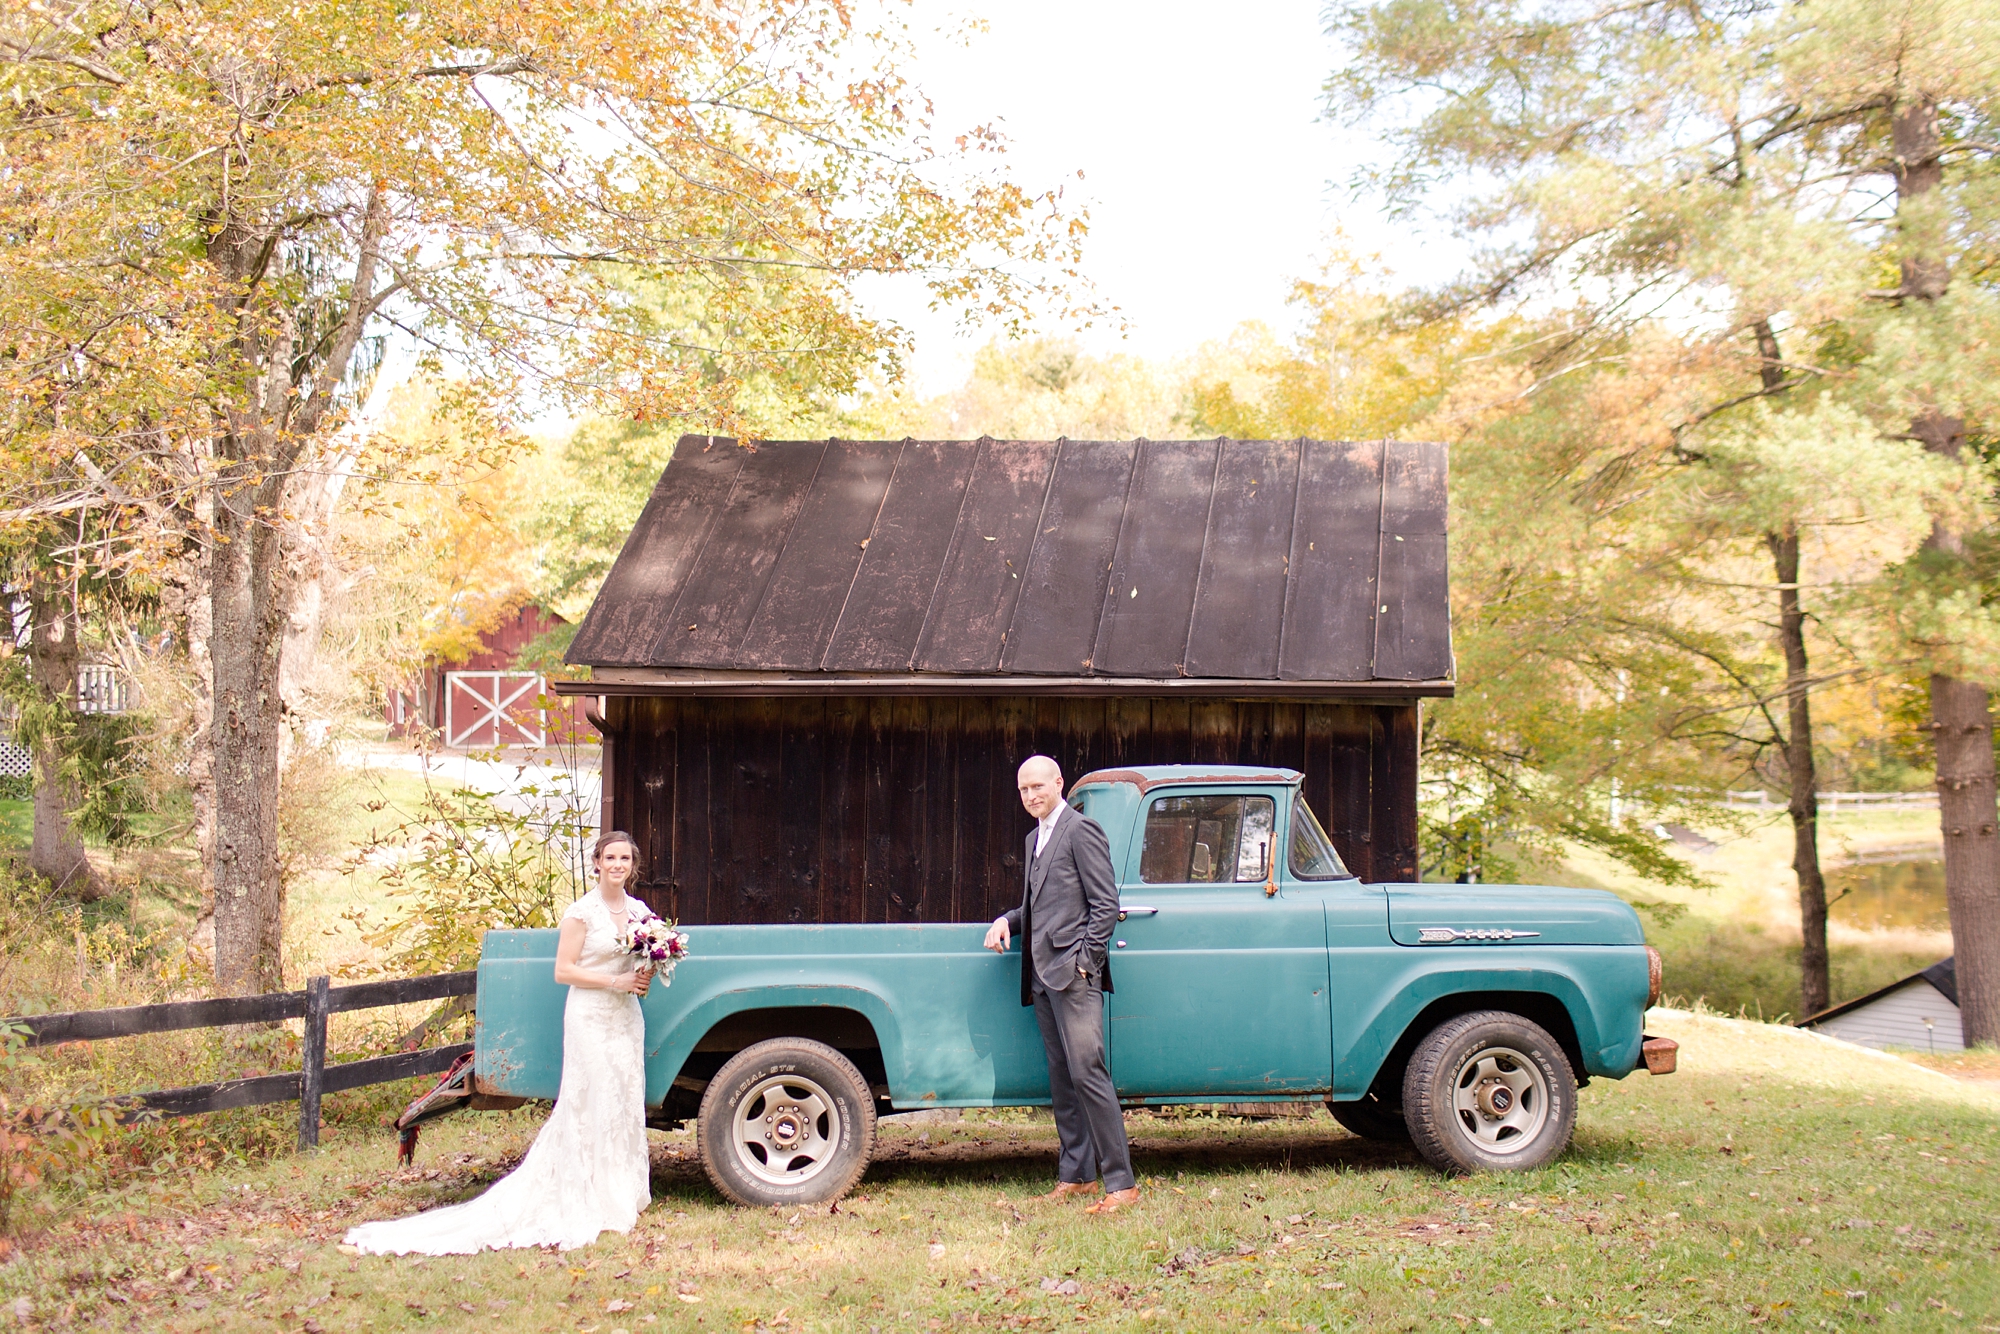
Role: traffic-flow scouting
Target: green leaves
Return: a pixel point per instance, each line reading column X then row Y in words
column 466, row 862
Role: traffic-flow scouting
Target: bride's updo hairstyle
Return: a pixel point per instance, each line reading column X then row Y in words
column 612, row 839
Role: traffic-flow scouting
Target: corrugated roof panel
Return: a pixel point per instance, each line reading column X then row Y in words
column 1055, row 623
column 1157, row 566
column 899, row 572
column 1413, row 634
column 1308, row 561
column 631, row 610
column 810, row 581
column 1241, row 607
column 966, row 625
column 1330, row 601
column 727, row 582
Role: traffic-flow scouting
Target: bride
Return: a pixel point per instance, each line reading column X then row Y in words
column 587, row 1170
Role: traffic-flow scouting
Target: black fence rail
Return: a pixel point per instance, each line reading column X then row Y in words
column 315, row 1077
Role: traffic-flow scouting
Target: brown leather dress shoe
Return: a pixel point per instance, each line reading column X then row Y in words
column 1066, row 1189
column 1116, row 1200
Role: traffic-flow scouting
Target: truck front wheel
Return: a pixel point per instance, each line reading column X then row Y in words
column 1489, row 1092
column 788, row 1121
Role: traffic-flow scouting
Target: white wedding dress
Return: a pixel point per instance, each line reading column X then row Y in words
column 586, row 1172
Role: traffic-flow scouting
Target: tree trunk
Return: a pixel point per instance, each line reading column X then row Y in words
column 314, row 499
column 1961, row 716
column 1802, row 779
column 250, row 585
column 246, row 591
column 56, row 849
column 1962, row 722
column 1801, row 776
column 1968, row 813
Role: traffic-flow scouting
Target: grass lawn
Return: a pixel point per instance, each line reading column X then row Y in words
column 1778, row 1180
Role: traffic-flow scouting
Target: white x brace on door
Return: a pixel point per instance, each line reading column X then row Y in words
column 493, row 709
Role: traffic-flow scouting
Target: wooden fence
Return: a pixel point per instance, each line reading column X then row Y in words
column 315, row 1076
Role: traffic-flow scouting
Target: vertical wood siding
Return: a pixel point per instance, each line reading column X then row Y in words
column 871, row 809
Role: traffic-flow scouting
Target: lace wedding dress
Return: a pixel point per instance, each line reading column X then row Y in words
column 586, row 1172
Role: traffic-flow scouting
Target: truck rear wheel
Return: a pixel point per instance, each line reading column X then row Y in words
column 1489, row 1092
column 1368, row 1118
column 788, row 1121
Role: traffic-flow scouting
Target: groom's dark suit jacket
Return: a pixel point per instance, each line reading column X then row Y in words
column 1069, row 906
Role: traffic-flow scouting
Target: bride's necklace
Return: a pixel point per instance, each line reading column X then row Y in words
column 621, row 916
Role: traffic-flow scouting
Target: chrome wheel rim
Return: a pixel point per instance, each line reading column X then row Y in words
column 1500, row 1099
column 786, row 1130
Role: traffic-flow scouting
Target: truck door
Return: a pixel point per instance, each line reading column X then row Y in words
column 1363, row 963
column 1221, row 988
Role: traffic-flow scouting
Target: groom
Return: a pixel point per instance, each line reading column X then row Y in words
column 1069, row 904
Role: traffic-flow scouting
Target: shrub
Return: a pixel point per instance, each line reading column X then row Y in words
column 465, row 863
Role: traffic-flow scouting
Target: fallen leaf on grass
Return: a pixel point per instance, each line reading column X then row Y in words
column 687, row 1296
column 615, row 1305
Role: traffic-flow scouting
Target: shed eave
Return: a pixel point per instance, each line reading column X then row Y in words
column 666, row 681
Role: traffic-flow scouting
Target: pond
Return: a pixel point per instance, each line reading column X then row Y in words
column 1892, row 894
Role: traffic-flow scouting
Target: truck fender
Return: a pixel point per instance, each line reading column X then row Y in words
column 1436, row 986
column 667, row 1058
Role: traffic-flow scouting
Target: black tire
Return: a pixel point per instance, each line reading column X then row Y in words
column 1368, row 1118
column 788, row 1121
column 1489, row 1092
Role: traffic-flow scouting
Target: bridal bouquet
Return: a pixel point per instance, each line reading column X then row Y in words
column 659, row 945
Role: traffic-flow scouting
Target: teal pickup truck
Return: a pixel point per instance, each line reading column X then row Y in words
column 1248, row 965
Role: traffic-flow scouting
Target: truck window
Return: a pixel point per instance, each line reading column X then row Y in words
column 1313, row 857
column 1207, row 840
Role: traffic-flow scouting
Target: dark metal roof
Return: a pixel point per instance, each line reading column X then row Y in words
column 1943, row 975
column 1223, row 560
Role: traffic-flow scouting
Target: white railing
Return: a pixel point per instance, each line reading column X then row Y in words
column 1834, row 801
column 102, row 689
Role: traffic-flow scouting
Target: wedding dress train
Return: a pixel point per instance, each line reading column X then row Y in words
column 586, row 1172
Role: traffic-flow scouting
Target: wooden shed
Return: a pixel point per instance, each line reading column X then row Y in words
column 819, row 663
column 1919, row 1013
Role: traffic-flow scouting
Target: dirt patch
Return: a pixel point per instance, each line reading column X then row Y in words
column 1978, row 1066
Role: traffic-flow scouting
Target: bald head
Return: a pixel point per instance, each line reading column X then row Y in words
column 1041, row 783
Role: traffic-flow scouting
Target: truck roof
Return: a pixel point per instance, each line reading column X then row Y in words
column 1145, row 776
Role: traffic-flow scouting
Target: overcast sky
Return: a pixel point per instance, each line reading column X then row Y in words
column 1211, row 179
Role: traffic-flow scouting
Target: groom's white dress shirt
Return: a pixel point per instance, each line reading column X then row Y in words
column 1047, row 826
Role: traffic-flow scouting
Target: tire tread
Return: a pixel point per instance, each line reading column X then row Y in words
column 753, row 1061
column 1436, row 1137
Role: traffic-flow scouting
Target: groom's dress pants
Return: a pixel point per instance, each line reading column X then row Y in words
column 1089, row 1125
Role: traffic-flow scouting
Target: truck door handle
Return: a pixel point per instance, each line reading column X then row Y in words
column 1124, row 912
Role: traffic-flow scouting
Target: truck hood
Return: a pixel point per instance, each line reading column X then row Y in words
column 1439, row 916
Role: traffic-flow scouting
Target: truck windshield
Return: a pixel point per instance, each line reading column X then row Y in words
column 1207, row 839
column 1313, row 857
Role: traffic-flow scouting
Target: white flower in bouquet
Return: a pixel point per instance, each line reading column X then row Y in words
column 659, row 945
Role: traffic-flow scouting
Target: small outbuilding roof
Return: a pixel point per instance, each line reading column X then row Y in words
column 1293, row 565
column 1943, row 975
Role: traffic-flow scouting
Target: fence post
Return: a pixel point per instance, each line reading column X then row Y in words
column 312, row 1074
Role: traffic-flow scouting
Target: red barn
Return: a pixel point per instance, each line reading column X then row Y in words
column 484, row 701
